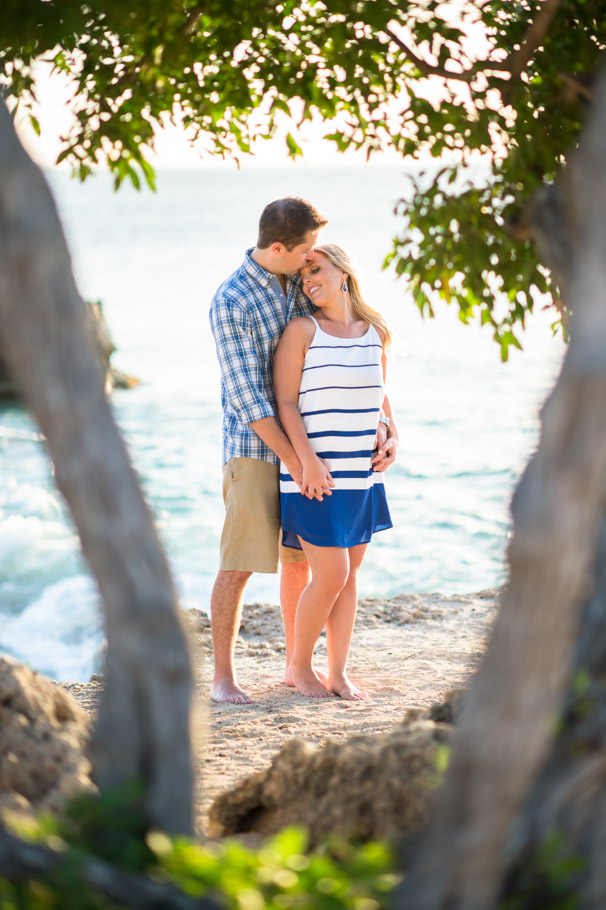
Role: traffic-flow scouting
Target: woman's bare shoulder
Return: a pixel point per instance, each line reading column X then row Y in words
column 301, row 328
column 301, row 324
column 381, row 335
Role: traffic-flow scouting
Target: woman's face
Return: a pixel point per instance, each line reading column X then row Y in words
column 322, row 281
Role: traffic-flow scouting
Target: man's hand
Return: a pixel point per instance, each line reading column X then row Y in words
column 317, row 481
column 385, row 454
column 381, row 437
column 314, row 486
column 295, row 469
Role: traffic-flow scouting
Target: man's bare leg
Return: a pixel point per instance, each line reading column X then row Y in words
column 294, row 578
column 225, row 615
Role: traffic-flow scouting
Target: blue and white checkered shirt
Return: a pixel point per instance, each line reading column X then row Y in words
column 248, row 314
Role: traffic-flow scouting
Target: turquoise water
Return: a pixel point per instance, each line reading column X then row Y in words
column 467, row 422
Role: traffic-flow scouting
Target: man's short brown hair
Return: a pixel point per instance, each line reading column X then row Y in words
column 288, row 221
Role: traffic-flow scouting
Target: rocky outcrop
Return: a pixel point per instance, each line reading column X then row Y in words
column 105, row 348
column 366, row 787
column 43, row 736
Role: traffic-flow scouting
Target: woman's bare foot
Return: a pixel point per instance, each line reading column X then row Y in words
column 307, row 683
column 343, row 686
column 226, row 690
column 288, row 677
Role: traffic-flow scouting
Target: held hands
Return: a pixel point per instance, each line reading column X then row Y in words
column 385, row 450
column 316, row 481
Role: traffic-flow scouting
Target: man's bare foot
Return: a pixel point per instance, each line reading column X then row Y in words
column 307, row 683
column 344, row 687
column 288, row 677
column 226, row 690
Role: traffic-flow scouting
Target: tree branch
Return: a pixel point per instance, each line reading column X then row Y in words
column 21, row 861
column 536, row 33
column 192, row 20
column 513, row 65
column 427, row 68
column 576, row 87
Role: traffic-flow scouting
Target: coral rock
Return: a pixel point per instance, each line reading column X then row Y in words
column 43, row 736
column 368, row 787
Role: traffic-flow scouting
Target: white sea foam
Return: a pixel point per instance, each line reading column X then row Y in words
column 30, row 545
column 30, row 500
column 60, row 634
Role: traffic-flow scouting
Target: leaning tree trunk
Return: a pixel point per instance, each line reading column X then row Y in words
column 508, row 724
column 142, row 732
column 563, row 826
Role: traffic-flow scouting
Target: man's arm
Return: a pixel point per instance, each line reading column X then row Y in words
column 243, row 380
column 273, row 436
column 240, row 369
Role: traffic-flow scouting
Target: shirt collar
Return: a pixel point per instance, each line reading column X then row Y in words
column 257, row 273
column 254, row 270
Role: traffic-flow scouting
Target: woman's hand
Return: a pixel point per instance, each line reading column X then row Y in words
column 317, row 481
column 385, row 454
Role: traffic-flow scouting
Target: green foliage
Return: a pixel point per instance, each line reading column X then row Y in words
column 550, row 878
column 501, row 120
column 111, row 826
column 280, row 875
column 213, row 66
column 464, row 238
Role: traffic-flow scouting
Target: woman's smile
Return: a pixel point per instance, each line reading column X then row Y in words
column 321, row 278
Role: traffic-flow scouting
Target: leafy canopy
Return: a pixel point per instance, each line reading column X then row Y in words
column 494, row 92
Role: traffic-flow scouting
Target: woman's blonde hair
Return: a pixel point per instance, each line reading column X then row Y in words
column 361, row 309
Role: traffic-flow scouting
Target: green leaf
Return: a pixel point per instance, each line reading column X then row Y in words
column 294, row 150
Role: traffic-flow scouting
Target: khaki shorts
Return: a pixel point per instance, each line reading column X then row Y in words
column 250, row 541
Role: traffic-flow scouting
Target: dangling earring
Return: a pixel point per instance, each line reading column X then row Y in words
column 344, row 286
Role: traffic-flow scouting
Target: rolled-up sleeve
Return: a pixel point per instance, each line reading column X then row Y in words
column 243, row 378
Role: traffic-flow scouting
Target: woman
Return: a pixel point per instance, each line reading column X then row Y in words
column 329, row 374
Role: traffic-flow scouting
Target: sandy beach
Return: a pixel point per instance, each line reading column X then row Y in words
column 407, row 652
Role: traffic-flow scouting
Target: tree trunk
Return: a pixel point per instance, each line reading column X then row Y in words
column 563, row 819
column 143, row 726
column 508, row 724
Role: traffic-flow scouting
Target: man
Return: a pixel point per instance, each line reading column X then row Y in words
column 248, row 314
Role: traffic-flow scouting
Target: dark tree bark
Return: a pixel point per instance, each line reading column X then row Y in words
column 508, row 725
column 143, row 726
column 568, row 798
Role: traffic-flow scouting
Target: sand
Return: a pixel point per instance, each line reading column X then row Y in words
column 407, row 651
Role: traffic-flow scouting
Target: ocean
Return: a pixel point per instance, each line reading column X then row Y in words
column 468, row 423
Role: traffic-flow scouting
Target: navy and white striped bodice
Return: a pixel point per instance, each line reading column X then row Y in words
column 340, row 398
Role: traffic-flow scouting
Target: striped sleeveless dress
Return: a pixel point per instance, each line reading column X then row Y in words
column 340, row 398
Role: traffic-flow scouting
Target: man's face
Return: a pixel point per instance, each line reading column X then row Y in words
column 295, row 259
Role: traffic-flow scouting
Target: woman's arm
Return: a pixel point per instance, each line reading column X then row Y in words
column 288, row 369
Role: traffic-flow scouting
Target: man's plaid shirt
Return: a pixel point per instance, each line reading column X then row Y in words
column 247, row 320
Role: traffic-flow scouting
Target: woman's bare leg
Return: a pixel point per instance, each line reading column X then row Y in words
column 329, row 572
column 339, row 629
